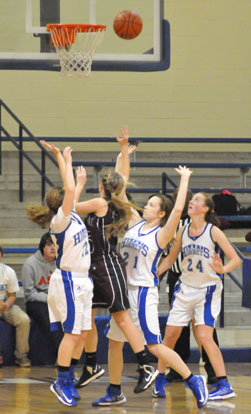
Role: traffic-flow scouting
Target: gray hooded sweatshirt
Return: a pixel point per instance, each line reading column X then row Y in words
column 36, row 273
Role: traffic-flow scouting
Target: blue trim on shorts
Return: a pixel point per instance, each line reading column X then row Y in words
column 149, row 336
column 55, row 326
column 208, row 317
column 175, row 290
column 68, row 324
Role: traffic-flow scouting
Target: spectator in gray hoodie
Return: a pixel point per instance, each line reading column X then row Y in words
column 36, row 273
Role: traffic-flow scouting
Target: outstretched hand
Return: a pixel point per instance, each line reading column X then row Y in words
column 131, row 149
column 183, row 171
column 67, row 154
column 50, row 147
column 216, row 264
column 125, row 136
column 81, row 176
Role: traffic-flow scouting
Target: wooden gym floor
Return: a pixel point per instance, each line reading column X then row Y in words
column 26, row 391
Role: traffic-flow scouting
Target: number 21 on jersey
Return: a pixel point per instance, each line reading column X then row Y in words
column 126, row 260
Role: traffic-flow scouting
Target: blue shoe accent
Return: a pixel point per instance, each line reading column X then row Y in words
column 222, row 391
column 113, row 397
column 158, row 387
column 197, row 384
column 72, row 388
column 61, row 389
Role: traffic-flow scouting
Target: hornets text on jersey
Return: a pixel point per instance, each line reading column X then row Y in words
column 141, row 253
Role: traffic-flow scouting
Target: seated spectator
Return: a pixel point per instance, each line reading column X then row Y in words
column 13, row 314
column 248, row 236
column 36, row 273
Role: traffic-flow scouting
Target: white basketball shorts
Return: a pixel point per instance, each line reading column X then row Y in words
column 144, row 314
column 202, row 304
column 70, row 301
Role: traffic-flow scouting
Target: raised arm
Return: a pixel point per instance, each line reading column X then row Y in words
column 59, row 157
column 69, row 182
column 123, row 168
column 81, row 181
column 168, row 261
column 123, row 164
column 167, row 232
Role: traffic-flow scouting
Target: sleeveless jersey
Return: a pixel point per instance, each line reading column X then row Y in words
column 197, row 252
column 99, row 245
column 70, row 237
column 141, row 253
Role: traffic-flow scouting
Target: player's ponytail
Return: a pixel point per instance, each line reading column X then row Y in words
column 43, row 215
column 113, row 184
column 211, row 216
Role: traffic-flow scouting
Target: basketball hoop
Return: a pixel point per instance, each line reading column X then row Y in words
column 75, row 45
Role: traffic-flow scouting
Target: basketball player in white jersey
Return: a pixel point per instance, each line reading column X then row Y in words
column 71, row 288
column 107, row 217
column 197, row 293
column 141, row 249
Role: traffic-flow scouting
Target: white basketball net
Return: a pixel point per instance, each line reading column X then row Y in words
column 76, row 49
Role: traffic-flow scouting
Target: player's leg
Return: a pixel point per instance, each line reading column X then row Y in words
column 182, row 346
column 112, row 274
column 180, row 315
column 63, row 303
column 223, row 389
column 205, row 313
column 91, row 370
column 114, row 394
column 61, row 386
column 211, row 376
column 147, row 373
column 196, row 383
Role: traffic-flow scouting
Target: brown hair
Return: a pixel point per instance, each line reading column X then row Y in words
column 42, row 215
column 166, row 205
column 113, row 184
column 211, row 216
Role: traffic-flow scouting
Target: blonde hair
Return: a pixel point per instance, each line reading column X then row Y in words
column 113, row 184
column 42, row 215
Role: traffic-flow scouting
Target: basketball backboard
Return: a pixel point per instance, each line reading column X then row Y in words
column 25, row 44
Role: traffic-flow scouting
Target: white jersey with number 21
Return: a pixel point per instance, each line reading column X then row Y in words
column 141, row 253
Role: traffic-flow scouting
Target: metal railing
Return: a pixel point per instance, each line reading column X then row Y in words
column 18, row 141
column 18, row 144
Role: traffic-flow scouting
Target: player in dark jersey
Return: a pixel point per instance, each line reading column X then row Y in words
column 107, row 218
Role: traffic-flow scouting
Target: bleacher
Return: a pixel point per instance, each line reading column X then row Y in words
column 152, row 170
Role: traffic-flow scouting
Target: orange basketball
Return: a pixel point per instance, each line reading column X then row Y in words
column 127, row 24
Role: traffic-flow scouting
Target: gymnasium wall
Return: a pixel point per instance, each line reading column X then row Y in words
column 205, row 93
